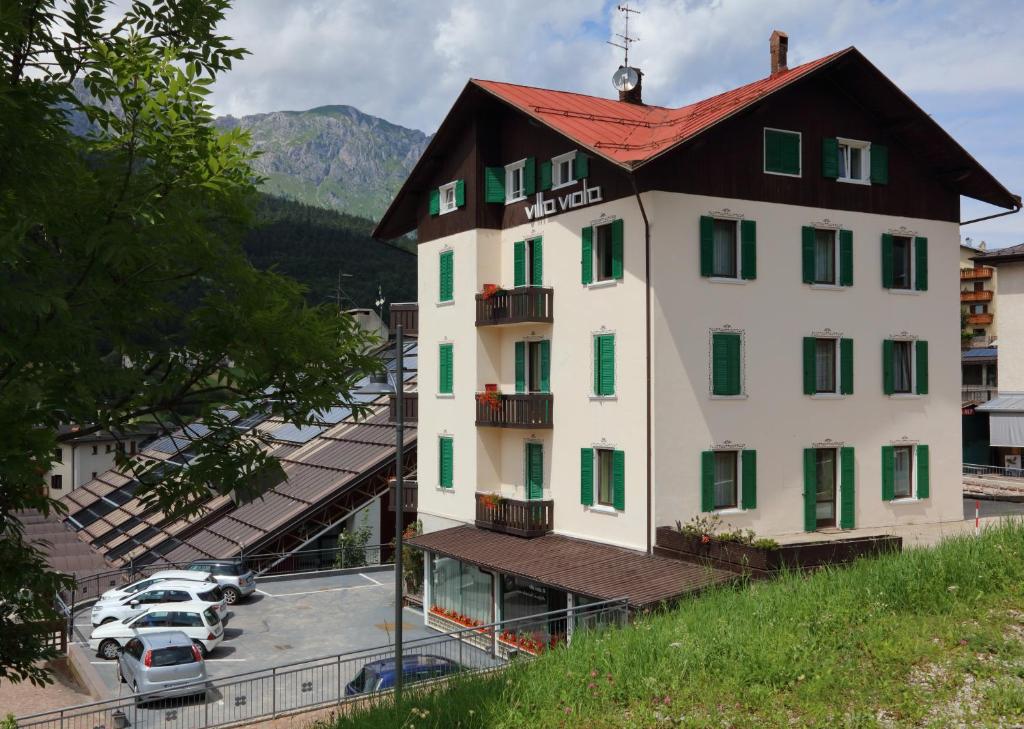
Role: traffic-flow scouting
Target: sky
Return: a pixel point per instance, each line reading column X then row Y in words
column 962, row 61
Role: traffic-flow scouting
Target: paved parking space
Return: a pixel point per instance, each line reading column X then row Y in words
column 296, row 620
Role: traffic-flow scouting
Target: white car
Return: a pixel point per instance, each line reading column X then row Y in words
column 130, row 606
column 195, row 619
column 141, row 584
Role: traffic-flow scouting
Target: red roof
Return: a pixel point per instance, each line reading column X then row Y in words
column 631, row 134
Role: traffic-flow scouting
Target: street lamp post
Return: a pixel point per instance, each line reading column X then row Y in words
column 399, row 501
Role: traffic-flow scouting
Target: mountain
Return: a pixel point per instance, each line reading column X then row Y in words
column 333, row 157
column 323, row 249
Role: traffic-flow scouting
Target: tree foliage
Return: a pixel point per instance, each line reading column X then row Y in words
column 124, row 289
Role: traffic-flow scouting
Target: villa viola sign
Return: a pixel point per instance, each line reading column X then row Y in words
column 542, row 207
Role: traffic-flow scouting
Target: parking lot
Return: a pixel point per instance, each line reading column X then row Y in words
column 296, row 620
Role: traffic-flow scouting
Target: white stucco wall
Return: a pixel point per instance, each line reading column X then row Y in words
column 1011, row 327
column 775, row 312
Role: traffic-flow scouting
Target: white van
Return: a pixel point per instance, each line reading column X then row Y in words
column 197, row 620
column 115, row 593
column 130, row 606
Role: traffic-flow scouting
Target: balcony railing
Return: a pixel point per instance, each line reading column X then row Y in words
column 411, row 404
column 531, row 518
column 527, row 304
column 970, row 296
column 973, row 274
column 533, row 410
column 406, row 314
column 977, row 393
column 410, row 500
column 979, row 319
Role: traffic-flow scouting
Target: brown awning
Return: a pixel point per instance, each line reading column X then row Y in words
column 588, row 568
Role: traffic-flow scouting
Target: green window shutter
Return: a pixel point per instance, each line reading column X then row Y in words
column 538, row 262
column 619, row 480
column 725, row 364
column 545, row 175
column 447, row 275
column 618, row 233
column 460, row 193
column 807, row 252
column 830, row 157
column 445, row 377
column 445, row 463
column 888, row 473
column 707, row 245
column 923, row 473
column 435, row 201
column 888, row 383
column 580, row 166
column 597, row 365
column 846, row 257
column 879, row 164
column 707, row 481
column 921, row 264
column 772, row 152
column 748, row 249
column 810, row 366
column 810, row 491
column 520, row 366
column 922, row 368
column 847, row 502
column 886, row 261
column 545, row 365
column 587, row 256
column 791, row 153
column 530, row 176
column 587, row 476
column 519, row 263
column 494, row 184
column 606, row 364
column 535, row 463
column 781, row 152
column 845, row 366
column 749, row 475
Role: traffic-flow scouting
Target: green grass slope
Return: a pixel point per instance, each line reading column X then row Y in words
column 314, row 246
column 930, row 638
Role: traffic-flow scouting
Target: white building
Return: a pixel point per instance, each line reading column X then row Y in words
column 79, row 459
column 631, row 315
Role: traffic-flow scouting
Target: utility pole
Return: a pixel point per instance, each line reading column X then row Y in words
column 399, row 502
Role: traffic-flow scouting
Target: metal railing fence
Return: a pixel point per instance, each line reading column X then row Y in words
column 245, row 698
column 978, row 469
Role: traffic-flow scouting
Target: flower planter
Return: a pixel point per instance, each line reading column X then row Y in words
column 740, row 557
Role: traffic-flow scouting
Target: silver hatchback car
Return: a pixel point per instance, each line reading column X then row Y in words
column 162, row 665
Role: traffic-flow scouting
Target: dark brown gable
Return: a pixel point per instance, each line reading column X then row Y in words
column 727, row 161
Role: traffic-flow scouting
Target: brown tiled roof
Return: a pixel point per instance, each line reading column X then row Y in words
column 64, row 551
column 589, row 568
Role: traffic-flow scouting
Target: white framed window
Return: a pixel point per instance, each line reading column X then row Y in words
column 826, row 257
column 854, row 161
column 902, row 262
column 904, row 366
column 446, row 198
column 726, row 257
column 604, row 493
column 903, row 472
column 727, row 480
column 826, row 365
column 603, row 254
column 515, row 181
column 561, row 170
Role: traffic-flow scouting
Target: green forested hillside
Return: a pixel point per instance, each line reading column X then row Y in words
column 314, row 245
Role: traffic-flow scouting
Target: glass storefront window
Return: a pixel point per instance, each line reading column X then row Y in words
column 464, row 588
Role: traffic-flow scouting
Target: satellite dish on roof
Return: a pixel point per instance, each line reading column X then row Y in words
column 626, row 78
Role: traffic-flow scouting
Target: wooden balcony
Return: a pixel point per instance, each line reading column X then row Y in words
column 406, row 314
column 410, row 500
column 529, row 304
column 532, row 518
column 975, row 274
column 411, row 404
column 533, row 410
column 975, row 296
column 979, row 319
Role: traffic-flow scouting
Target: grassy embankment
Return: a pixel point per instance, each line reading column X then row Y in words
column 931, row 638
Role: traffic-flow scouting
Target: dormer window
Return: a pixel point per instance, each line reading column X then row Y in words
column 854, row 161
column 515, row 181
column 561, row 170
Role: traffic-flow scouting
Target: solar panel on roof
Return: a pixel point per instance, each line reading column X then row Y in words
column 296, row 434
column 250, row 421
column 332, row 416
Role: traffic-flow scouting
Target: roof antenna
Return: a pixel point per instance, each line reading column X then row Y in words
column 627, row 79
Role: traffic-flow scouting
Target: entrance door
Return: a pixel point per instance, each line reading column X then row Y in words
column 534, row 471
column 825, row 472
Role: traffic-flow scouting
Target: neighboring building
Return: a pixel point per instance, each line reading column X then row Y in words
column 1006, row 411
column 979, row 375
column 78, row 460
column 977, row 297
column 632, row 315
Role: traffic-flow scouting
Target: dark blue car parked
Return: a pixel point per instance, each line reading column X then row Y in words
column 380, row 675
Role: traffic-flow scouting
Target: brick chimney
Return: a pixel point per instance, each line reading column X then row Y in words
column 779, row 45
column 634, row 95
